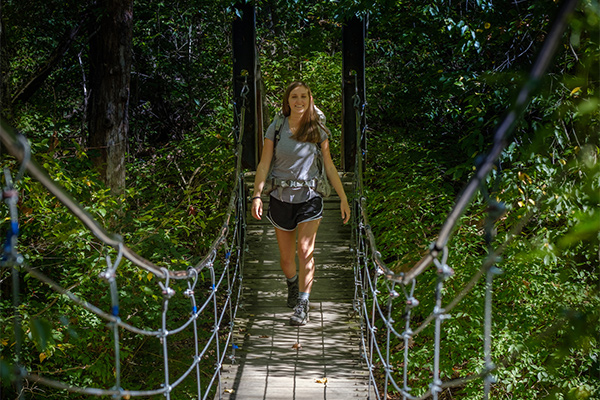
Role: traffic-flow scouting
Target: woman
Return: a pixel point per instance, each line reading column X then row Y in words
column 296, row 208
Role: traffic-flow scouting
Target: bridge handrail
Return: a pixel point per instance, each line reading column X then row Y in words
column 230, row 276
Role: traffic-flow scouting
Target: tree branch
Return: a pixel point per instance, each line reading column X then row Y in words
column 27, row 90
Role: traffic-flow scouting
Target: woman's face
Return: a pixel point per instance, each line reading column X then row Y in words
column 299, row 101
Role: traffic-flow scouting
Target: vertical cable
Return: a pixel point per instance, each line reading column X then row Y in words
column 411, row 302
column 190, row 293
column 167, row 293
column 444, row 272
column 110, row 276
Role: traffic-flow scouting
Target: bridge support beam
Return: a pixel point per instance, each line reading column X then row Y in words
column 245, row 70
column 353, row 80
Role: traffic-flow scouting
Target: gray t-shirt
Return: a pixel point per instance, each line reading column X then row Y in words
column 293, row 160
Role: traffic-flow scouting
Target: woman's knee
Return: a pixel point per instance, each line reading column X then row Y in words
column 287, row 260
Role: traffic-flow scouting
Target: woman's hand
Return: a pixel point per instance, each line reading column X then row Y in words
column 345, row 208
column 257, row 208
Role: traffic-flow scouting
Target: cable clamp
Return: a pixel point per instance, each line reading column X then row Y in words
column 107, row 275
column 10, row 194
column 162, row 334
column 495, row 271
column 120, row 395
column 445, row 271
column 166, row 291
column 436, row 386
column 412, row 302
column 487, row 369
column 439, row 313
column 442, row 268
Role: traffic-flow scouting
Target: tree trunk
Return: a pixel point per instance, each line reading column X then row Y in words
column 1, row 66
column 110, row 72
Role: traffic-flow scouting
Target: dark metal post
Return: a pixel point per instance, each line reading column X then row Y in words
column 244, row 62
column 353, row 66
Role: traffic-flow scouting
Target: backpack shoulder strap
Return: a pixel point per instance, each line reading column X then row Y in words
column 279, row 119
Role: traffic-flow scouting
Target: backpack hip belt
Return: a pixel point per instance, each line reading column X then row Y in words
column 312, row 183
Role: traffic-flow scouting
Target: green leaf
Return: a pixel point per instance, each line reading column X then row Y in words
column 41, row 333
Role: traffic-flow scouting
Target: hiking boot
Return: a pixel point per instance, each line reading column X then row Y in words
column 300, row 316
column 293, row 290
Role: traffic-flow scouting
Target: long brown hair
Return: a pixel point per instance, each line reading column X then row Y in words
column 310, row 123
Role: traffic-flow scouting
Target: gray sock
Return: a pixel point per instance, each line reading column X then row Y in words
column 292, row 279
column 303, row 296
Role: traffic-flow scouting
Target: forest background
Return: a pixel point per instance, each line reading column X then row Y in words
column 440, row 75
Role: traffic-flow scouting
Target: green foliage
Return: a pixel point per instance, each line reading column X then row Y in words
column 546, row 302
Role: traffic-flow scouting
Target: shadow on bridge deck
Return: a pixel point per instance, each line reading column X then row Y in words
column 321, row 360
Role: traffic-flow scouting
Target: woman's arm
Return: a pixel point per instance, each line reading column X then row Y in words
column 335, row 180
column 259, row 180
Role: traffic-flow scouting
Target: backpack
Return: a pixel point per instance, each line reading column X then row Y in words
column 320, row 184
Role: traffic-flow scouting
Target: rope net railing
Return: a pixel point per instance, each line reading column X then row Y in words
column 223, row 264
column 379, row 290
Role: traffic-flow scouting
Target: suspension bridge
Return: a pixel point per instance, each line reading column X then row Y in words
column 344, row 352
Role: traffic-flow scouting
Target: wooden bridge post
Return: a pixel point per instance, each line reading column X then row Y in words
column 245, row 67
column 353, row 64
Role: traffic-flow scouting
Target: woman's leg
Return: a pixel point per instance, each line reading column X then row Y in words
column 287, row 251
column 307, row 233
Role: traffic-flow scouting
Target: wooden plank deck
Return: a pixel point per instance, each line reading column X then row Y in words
column 321, row 360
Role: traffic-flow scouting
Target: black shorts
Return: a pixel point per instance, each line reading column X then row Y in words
column 287, row 216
